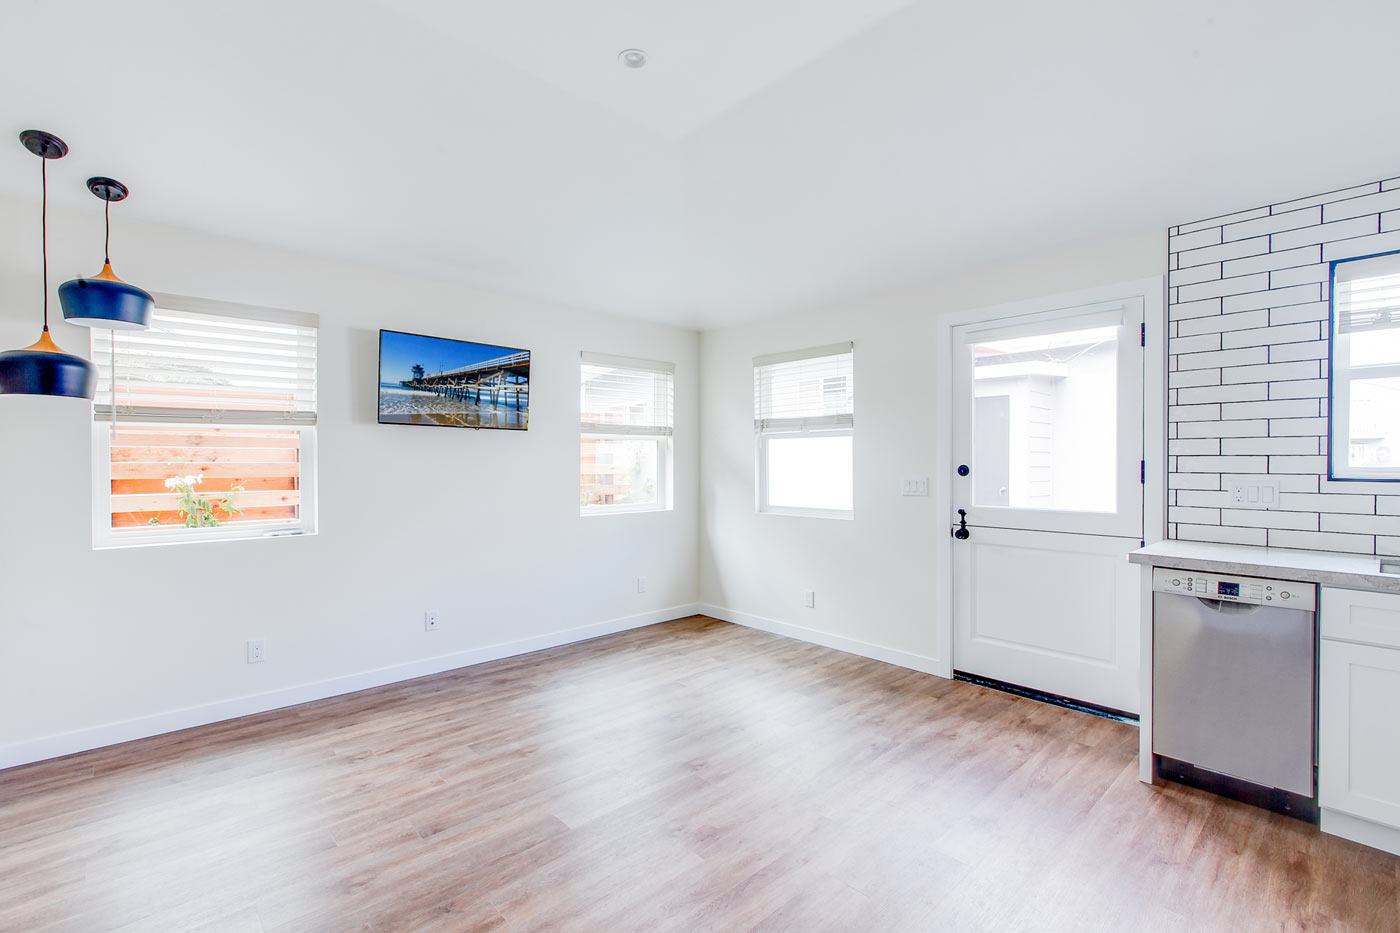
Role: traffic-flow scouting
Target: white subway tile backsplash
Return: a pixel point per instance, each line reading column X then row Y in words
column 1221, row 322
column 1194, row 516
column 1361, row 246
column 1269, row 518
column 1247, row 350
column 1193, row 413
column 1246, row 392
column 1193, row 275
column 1305, row 369
column 1278, row 408
column 1197, row 343
column 1362, row 524
column 1193, row 481
column 1275, row 222
column 1271, row 298
column 1189, row 309
column 1207, row 236
column 1293, row 352
column 1314, row 311
column 1312, row 466
column 1291, row 427
column 1326, row 502
column 1282, row 278
column 1218, row 287
column 1217, row 428
column 1222, row 464
column 1326, row 233
column 1211, row 360
column 1322, row 541
column 1280, row 259
column 1356, row 207
column 1299, row 388
column 1274, row 446
column 1194, row 445
column 1195, row 377
column 1221, row 534
column 1225, row 251
column 1283, row 333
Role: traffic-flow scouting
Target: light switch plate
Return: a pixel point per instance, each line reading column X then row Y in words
column 916, row 485
column 1254, row 493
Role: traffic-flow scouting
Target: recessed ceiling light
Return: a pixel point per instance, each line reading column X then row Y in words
column 632, row 58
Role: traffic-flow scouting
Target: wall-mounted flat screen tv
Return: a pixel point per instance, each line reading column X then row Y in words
column 452, row 383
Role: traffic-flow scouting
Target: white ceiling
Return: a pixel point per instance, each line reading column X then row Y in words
column 774, row 154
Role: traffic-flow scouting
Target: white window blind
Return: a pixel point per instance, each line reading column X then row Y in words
column 804, row 389
column 1368, row 295
column 619, row 395
column 197, row 367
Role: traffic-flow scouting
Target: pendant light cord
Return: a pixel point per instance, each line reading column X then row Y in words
column 107, row 237
column 44, row 227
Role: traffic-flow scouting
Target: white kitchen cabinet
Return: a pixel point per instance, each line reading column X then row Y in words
column 1359, row 717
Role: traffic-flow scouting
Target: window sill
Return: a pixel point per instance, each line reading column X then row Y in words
column 195, row 536
column 838, row 514
column 594, row 510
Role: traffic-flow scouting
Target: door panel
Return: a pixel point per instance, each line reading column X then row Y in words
column 1048, row 447
column 1055, row 612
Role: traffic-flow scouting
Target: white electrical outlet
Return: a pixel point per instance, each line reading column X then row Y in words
column 1252, row 493
column 916, row 486
column 641, row 584
column 257, row 650
column 809, row 598
column 430, row 620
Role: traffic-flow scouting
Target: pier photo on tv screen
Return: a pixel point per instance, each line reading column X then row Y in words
column 452, row 383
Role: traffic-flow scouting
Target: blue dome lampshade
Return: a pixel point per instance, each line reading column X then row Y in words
column 105, row 300
column 43, row 368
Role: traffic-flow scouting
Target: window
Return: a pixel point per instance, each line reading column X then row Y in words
column 804, row 422
column 204, row 427
column 625, row 414
column 1365, row 357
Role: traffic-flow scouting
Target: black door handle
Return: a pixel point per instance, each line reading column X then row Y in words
column 961, row 532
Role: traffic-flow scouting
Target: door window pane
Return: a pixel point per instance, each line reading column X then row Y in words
column 1045, row 421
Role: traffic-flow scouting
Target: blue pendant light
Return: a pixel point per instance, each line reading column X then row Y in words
column 105, row 300
column 43, row 368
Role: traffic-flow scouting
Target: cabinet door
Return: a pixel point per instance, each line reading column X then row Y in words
column 1359, row 731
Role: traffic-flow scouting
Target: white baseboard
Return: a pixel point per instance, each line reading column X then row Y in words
column 915, row 662
column 1366, row 832
column 67, row 743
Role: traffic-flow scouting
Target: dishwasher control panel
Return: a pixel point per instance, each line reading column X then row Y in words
column 1260, row 592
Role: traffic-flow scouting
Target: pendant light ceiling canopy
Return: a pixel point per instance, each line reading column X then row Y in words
column 105, row 300
column 42, row 368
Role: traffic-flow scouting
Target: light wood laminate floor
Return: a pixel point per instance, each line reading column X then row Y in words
column 693, row 775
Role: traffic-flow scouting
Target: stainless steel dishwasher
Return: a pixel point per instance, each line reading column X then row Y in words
column 1234, row 687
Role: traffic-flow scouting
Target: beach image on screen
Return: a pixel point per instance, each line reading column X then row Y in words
column 454, row 383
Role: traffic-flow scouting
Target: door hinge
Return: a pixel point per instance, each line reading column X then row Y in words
column 1144, row 334
column 1142, row 472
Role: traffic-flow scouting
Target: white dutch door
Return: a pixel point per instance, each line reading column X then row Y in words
column 1048, row 450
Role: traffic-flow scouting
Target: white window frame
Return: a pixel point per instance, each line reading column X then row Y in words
column 1340, row 377
column 801, row 428
column 105, row 537
column 664, row 453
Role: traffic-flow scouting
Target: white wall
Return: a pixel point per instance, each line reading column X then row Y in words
column 878, row 579
column 101, row 646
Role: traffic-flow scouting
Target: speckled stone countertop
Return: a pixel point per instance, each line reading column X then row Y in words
column 1349, row 571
